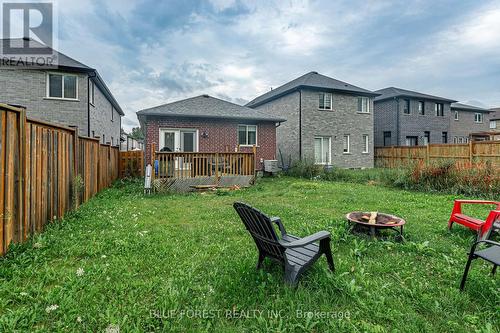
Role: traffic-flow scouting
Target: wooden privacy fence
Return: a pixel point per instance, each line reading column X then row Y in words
column 132, row 163
column 473, row 152
column 39, row 163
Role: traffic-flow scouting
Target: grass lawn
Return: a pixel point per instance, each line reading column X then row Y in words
column 185, row 263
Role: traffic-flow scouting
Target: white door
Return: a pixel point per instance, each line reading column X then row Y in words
column 175, row 140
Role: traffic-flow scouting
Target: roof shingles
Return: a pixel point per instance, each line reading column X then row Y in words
column 310, row 80
column 205, row 106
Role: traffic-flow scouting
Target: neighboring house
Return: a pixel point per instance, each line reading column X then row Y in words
column 409, row 118
column 465, row 120
column 494, row 119
column 128, row 143
column 71, row 94
column 329, row 122
column 208, row 124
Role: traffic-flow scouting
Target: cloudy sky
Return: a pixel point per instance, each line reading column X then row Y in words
column 151, row 52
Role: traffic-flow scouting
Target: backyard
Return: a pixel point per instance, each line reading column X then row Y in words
column 185, row 263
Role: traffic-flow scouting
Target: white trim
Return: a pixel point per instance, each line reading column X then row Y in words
column 324, row 96
column 348, row 136
column 480, row 118
column 363, row 98
column 322, row 138
column 177, row 137
column 47, row 86
column 256, row 135
column 366, row 144
column 493, row 124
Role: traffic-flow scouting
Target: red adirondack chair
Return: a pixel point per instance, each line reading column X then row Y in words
column 481, row 227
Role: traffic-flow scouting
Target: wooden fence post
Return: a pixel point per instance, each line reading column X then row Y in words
column 471, row 151
column 428, row 154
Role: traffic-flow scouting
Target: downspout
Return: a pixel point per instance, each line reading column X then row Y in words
column 91, row 75
column 300, row 125
column 398, row 141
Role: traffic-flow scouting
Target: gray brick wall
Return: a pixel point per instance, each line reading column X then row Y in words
column 465, row 124
column 342, row 119
column 413, row 124
column 105, row 120
column 287, row 134
column 28, row 88
column 385, row 120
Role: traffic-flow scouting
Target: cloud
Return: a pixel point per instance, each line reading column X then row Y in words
column 153, row 52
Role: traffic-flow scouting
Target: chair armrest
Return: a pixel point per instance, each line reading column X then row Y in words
column 481, row 202
column 306, row 240
column 280, row 225
column 486, row 241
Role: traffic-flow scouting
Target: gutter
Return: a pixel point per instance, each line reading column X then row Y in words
column 91, row 75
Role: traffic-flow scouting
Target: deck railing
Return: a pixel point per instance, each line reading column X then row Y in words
column 191, row 165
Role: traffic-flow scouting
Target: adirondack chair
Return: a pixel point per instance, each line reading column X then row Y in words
column 490, row 254
column 295, row 254
column 482, row 228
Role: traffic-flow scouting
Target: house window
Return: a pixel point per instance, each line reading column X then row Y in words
column 456, row 115
column 439, row 110
column 427, row 137
column 62, row 86
column 478, row 117
column 366, row 144
column 347, row 143
column 247, row 135
column 412, row 140
column 493, row 124
column 103, row 138
column 363, row 105
column 455, row 139
column 91, row 92
column 322, row 149
column 112, row 113
column 444, row 137
column 387, row 139
column 406, row 106
column 421, row 107
column 325, row 101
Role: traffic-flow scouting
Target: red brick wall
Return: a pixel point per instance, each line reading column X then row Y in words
column 222, row 135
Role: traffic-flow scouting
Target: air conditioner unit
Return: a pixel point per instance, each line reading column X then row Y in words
column 271, row 166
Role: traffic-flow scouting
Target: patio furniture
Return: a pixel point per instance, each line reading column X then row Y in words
column 481, row 227
column 381, row 221
column 293, row 253
column 490, row 254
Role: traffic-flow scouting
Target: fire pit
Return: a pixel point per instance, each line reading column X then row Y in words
column 373, row 221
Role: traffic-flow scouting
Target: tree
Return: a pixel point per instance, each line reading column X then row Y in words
column 137, row 133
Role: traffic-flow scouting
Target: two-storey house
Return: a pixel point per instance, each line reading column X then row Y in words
column 70, row 93
column 329, row 122
column 404, row 117
column 466, row 120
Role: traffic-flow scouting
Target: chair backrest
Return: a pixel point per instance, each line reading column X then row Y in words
column 260, row 227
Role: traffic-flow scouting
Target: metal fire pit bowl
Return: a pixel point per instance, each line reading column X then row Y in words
column 383, row 221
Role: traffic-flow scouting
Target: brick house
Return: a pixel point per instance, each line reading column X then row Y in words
column 329, row 121
column 404, row 117
column 70, row 93
column 208, row 124
column 466, row 120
